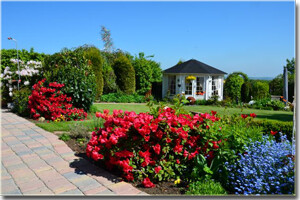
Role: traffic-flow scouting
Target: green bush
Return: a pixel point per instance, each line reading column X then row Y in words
column 233, row 86
column 146, row 72
column 125, row 74
column 64, row 137
column 20, row 99
column 245, row 93
column 268, row 125
column 94, row 57
column 260, row 90
column 72, row 69
column 205, row 187
column 268, row 104
column 123, row 98
column 78, row 131
column 24, row 55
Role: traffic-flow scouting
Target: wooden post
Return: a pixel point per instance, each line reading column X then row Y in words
column 285, row 85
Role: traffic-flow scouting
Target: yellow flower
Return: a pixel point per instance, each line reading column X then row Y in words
column 177, row 181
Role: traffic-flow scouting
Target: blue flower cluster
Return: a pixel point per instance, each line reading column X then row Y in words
column 266, row 167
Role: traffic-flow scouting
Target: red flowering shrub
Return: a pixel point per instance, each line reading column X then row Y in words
column 49, row 102
column 149, row 148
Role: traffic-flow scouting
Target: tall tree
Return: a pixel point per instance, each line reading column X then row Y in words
column 106, row 37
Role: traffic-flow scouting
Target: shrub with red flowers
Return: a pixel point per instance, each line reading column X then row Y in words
column 48, row 101
column 151, row 148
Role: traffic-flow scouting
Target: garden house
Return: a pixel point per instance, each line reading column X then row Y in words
column 194, row 79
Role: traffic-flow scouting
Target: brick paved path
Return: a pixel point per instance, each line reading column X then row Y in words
column 36, row 162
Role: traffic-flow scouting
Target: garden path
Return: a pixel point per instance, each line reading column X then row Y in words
column 36, row 162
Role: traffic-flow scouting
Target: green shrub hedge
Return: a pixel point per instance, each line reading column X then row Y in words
column 267, row 125
column 123, row 98
column 125, row 74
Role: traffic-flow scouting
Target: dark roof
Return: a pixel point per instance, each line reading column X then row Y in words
column 194, row 66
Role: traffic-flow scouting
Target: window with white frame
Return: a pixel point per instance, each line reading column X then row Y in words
column 215, row 85
column 188, row 88
column 172, row 85
column 199, row 85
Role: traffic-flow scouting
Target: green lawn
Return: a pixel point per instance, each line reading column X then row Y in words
column 261, row 114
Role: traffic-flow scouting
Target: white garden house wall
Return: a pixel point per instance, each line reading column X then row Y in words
column 209, row 81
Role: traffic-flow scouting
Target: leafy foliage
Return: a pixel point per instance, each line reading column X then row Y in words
column 260, row 90
column 24, row 55
column 146, row 72
column 71, row 69
column 78, row 131
column 20, row 99
column 123, row 98
column 64, row 137
column 246, row 92
column 233, row 86
column 125, row 74
column 205, row 187
column 95, row 59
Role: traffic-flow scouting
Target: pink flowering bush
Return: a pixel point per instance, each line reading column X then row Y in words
column 150, row 149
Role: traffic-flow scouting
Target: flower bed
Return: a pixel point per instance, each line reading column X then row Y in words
column 149, row 148
column 167, row 145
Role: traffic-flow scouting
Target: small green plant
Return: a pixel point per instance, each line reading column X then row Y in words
column 81, row 141
column 205, row 187
column 64, row 137
column 20, row 99
column 79, row 131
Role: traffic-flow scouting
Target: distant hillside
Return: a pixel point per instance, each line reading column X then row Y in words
column 262, row 78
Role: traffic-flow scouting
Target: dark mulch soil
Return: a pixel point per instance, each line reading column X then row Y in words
column 161, row 188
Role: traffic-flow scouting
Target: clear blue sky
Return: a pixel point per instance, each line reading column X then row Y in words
column 253, row 37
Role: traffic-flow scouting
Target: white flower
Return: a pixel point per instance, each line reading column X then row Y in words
column 10, row 94
column 10, row 89
column 26, row 83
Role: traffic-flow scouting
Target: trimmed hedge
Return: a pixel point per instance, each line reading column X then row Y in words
column 123, row 98
column 285, row 127
column 94, row 57
column 125, row 74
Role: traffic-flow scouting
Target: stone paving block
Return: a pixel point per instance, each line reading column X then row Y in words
column 31, row 185
column 11, row 162
column 39, row 191
column 124, row 188
column 5, row 175
column 39, row 165
column 95, row 191
column 15, row 167
column 63, row 149
column 22, row 153
column 49, row 175
column 60, row 185
column 106, row 192
column 11, row 192
column 87, row 184
column 55, row 160
column 71, row 192
column 8, row 186
column 34, row 145
column 74, row 175
column 43, row 152
column 29, row 131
